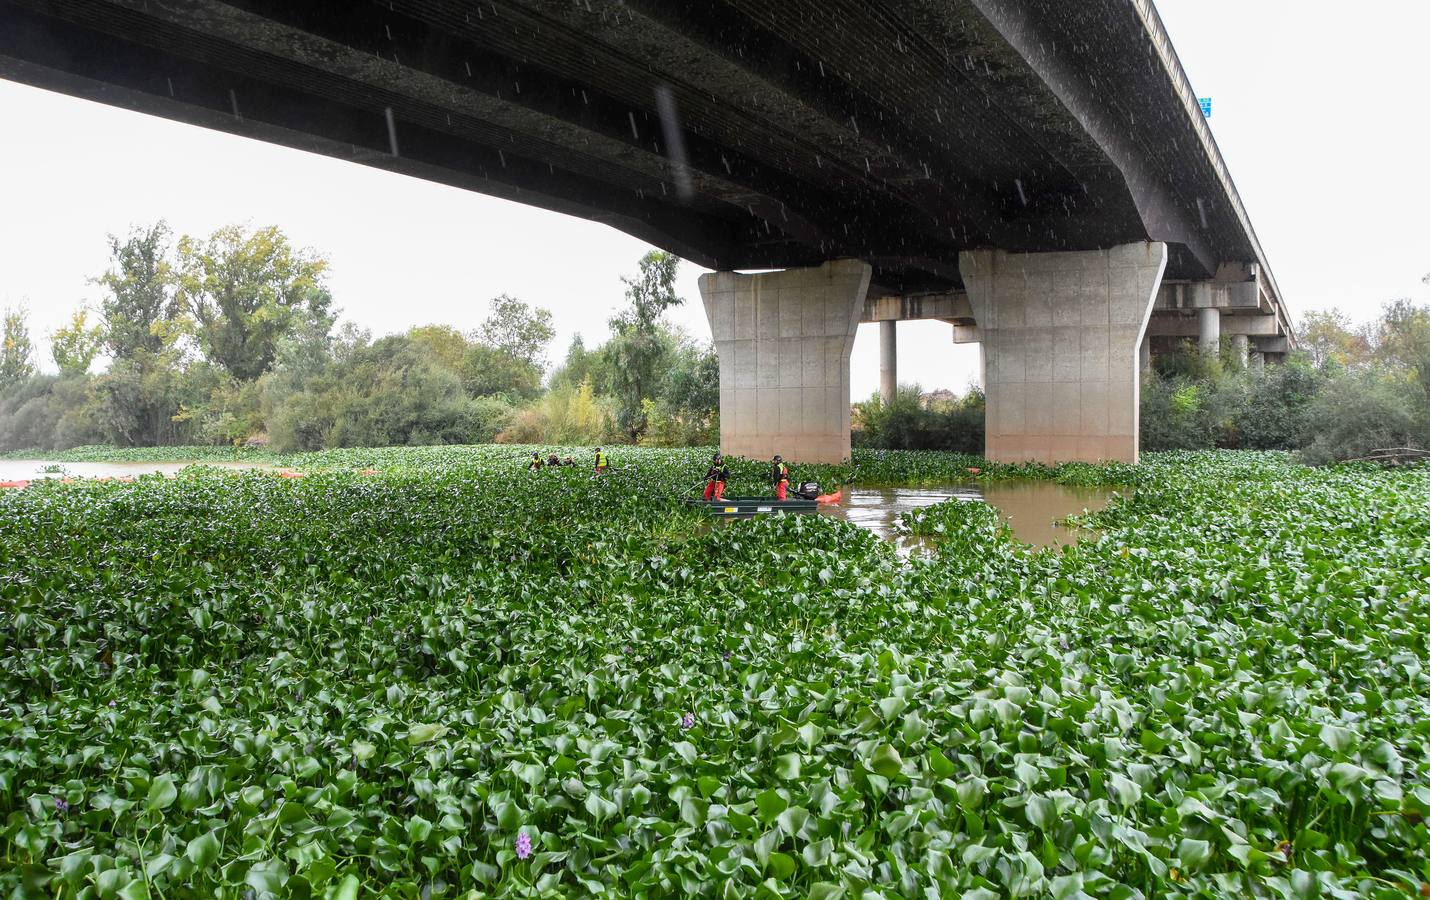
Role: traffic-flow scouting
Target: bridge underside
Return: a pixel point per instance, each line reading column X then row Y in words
column 737, row 133
column 912, row 138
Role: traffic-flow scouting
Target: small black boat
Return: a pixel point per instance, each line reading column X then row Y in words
column 755, row 506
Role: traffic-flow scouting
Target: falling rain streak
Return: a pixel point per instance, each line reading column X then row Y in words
column 674, row 141
column 391, row 131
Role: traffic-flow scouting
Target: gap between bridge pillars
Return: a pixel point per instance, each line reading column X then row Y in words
column 784, row 339
column 888, row 361
column 1256, row 359
column 1209, row 330
column 1061, row 339
column 1144, row 354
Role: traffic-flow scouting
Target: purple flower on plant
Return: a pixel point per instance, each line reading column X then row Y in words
column 687, row 720
column 61, row 805
column 523, row 845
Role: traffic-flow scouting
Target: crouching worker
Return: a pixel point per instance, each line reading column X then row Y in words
column 602, row 463
column 535, row 463
column 779, row 477
column 715, row 478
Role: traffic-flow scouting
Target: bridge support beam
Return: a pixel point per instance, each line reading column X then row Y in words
column 888, row 361
column 784, row 339
column 1061, row 339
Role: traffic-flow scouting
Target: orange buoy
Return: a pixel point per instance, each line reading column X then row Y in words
column 974, row 470
column 369, row 472
column 290, row 474
column 830, row 498
column 14, row 484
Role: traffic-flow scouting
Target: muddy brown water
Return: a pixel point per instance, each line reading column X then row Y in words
column 1030, row 508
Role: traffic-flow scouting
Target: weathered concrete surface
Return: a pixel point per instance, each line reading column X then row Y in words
column 888, row 360
column 784, row 340
column 1061, row 337
column 948, row 307
column 1209, row 329
column 1181, row 326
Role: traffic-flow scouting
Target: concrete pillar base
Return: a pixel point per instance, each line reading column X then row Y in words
column 888, row 361
column 784, row 340
column 1061, row 338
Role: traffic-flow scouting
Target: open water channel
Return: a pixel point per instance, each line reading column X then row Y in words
column 1031, row 508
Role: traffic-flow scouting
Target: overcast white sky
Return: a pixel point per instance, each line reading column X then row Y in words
column 1322, row 112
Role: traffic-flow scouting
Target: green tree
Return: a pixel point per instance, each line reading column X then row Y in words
column 246, row 292
column 517, row 329
column 1403, row 344
column 140, row 297
column 686, row 409
column 135, row 402
column 508, row 355
column 1330, row 339
column 17, row 352
column 640, row 342
column 443, row 343
column 75, row 345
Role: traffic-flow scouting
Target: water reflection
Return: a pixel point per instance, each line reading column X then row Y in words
column 1030, row 508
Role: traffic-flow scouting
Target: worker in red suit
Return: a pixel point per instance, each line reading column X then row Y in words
column 779, row 476
column 715, row 478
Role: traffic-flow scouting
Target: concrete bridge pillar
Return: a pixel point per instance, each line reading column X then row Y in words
column 1240, row 350
column 1209, row 329
column 784, row 340
column 1061, row 337
column 888, row 361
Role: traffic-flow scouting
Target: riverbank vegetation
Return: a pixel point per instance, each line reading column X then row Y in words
column 231, row 339
column 452, row 676
column 1350, row 391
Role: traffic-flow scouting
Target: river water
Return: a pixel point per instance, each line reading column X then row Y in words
column 1030, row 508
column 30, row 469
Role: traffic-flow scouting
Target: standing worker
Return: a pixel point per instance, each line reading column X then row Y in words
column 602, row 463
column 779, row 475
column 715, row 478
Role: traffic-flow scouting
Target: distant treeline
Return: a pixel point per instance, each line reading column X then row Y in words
column 231, row 339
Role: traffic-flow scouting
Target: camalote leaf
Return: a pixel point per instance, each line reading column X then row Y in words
column 886, row 761
column 403, row 672
column 162, row 792
column 421, row 734
column 203, row 850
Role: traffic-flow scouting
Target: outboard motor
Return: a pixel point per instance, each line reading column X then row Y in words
column 807, row 490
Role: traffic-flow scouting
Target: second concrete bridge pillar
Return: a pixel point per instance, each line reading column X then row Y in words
column 1061, row 337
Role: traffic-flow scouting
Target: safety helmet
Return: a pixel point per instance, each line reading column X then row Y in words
column 779, row 458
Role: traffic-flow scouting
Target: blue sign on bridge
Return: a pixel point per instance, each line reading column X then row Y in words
column 1206, row 104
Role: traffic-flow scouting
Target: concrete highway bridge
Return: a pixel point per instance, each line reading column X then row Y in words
column 1035, row 172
